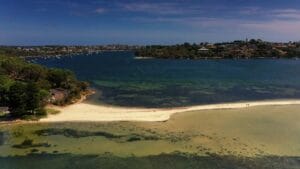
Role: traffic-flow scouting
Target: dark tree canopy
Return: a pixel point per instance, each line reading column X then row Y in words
column 17, row 99
column 25, row 87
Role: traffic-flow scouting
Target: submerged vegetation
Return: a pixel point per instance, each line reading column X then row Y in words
column 25, row 88
column 162, row 161
column 79, row 134
column 2, row 139
column 237, row 49
column 74, row 133
column 27, row 143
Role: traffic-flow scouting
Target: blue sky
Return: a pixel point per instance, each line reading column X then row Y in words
column 86, row 22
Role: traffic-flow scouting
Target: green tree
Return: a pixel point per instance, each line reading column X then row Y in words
column 17, row 99
column 5, row 84
column 33, row 98
column 33, row 73
column 3, row 96
column 60, row 78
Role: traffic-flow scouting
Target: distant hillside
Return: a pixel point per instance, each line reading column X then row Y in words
column 236, row 49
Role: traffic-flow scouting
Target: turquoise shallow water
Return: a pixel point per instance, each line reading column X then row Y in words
column 126, row 81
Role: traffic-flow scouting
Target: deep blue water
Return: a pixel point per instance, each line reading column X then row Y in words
column 126, row 81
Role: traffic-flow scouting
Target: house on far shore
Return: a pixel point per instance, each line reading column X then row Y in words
column 57, row 95
column 203, row 50
column 4, row 111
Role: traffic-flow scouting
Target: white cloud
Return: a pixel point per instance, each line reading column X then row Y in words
column 161, row 8
column 250, row 11
column 287, row 14
column 286, row 27
column 100, row 10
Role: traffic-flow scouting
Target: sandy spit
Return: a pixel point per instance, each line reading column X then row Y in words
column 84, row 112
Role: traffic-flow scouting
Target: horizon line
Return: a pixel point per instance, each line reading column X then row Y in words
column 143, row 44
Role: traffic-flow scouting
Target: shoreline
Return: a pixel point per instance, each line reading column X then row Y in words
column 85, row 112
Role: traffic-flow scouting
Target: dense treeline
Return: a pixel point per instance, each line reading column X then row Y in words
column 236, row 49
column 25, row 87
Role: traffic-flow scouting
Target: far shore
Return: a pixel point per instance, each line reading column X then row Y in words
column 143, row 57
column 85, row 112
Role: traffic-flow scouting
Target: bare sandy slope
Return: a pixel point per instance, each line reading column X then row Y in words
column 96, row 113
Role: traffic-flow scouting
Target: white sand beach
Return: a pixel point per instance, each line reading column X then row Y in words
column 85, row 112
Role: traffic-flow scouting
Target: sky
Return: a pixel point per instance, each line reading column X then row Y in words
column 139, row 22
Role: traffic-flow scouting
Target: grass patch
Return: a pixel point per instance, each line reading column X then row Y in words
column 52, row 111
column 33, row 117
column 2, row 113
